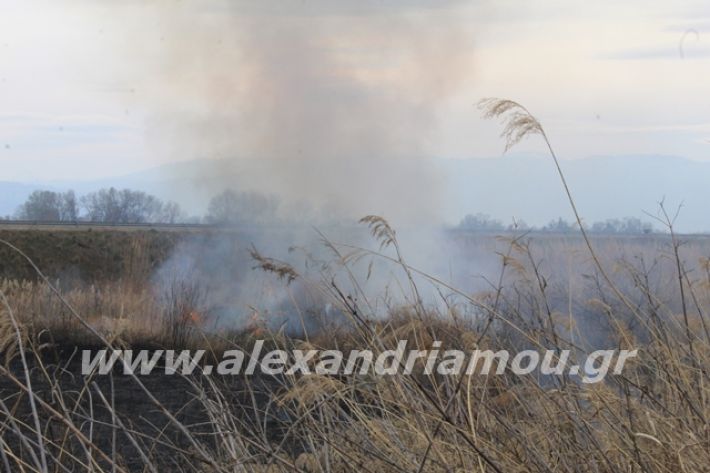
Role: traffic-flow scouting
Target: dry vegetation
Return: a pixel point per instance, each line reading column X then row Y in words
column 85, row 255
column 651, row 418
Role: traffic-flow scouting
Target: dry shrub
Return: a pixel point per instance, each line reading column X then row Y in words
column 114, row 309
column 184, row 309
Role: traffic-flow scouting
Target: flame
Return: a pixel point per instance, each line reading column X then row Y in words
column 255, row 324
column 194, row 317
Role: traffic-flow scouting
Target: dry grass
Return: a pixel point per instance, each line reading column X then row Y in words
column 113, row 309
column 87, row 254
column 653, row 417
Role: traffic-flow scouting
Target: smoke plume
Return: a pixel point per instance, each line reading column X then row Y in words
column 329, row 105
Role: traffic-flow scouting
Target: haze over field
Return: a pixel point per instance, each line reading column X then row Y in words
column 517, row 186
column 356, row 108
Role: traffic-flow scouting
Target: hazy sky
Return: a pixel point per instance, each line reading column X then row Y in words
column 77, row 95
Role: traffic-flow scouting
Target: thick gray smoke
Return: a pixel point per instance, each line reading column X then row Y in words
column 329, row 105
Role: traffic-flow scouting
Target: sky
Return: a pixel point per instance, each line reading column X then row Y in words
column 85, row 86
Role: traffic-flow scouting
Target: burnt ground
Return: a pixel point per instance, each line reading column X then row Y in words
column 153, row 429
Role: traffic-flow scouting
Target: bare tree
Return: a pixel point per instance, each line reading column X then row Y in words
column 231, row 207
column 559, row 226
column 171, row 213
column 480, row 222
column 69, row 211
column 128, row 206
column 628, row 225
column 49, row 206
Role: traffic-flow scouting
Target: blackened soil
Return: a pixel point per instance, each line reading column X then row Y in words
column 63, row 393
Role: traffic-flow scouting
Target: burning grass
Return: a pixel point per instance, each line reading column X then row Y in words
column 652, row 417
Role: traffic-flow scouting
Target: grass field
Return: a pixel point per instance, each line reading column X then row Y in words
column 543, row 292
column 540, row 293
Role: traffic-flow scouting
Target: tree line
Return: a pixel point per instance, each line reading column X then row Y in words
column 111, row 205
column 627, row 225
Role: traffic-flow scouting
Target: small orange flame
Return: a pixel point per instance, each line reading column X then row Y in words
column 255, row 325
column 194, row 317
